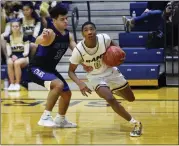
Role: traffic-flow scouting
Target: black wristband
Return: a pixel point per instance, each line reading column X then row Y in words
column 10, row 56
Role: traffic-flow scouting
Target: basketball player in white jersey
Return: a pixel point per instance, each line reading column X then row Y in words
column 105, row 80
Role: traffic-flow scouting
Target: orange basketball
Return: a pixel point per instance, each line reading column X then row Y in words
column 113, row 56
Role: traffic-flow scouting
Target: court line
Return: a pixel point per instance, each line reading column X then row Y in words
column 98, row 112
column 96, row 99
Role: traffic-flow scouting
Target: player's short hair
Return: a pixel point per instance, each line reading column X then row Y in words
column 87, row 23
column 58, row 9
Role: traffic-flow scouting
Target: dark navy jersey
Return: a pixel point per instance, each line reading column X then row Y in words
column 47, row 57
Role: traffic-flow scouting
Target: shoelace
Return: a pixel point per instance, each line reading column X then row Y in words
column 65, row 121
column 48, row 117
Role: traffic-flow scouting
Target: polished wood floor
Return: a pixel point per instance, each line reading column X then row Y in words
column 97, row 123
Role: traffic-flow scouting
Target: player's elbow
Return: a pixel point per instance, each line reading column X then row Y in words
column 69, row 73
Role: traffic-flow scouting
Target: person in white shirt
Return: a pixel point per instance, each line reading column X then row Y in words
column 105, row 80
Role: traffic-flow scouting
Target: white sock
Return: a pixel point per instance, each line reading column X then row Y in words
column 133, row 121
column 61, row 116
column 46, row 113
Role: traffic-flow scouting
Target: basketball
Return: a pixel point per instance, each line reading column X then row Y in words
column 113, row 56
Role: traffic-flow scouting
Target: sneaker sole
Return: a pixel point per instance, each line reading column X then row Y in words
column 42, row 124
column 65, row 126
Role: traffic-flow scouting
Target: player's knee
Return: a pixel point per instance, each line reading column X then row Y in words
column 131, row 98
column 57, row 85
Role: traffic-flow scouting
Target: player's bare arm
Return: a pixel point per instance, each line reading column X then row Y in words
column 83, row 87
column 46, row 38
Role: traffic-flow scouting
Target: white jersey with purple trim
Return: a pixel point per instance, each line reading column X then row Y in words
column 92, row 56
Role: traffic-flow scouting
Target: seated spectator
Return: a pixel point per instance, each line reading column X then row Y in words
column 154, row 9
column 31, row 23
column 17, row 50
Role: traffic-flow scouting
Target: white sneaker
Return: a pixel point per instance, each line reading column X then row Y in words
column 137, row 131
column 17, row 87
column 11, row 87
column 64, row 123
column 46, row 120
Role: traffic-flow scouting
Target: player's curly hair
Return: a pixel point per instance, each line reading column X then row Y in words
column 58, row 9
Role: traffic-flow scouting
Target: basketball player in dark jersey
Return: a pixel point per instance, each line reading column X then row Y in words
column 53, row 43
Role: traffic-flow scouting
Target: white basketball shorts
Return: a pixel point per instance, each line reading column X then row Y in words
column 114, row 80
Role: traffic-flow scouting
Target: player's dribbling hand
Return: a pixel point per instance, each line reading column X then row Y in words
column 83, row 88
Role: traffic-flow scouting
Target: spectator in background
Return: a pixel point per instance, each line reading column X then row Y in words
column 3, row 43
column 31, row 23
column 17, row 50
column 154, row 9
column 167, row 15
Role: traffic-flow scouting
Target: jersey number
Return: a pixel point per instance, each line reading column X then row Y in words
column 97, row 64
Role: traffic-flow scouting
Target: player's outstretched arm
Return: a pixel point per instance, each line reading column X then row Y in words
column 83, row 87
column 46, row 38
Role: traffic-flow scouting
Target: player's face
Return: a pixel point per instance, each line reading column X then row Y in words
column 27, row 11
column 15, row 27
column 89, row 32
column 61, row 22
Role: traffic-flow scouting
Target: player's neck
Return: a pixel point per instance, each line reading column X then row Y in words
column 91, row 43
column 62, row 31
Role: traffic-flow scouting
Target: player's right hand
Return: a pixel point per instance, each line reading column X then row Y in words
column 83, row 88
column 87, row 68
column 45, row 33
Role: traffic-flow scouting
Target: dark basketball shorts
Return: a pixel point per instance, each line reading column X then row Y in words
column 44, row 78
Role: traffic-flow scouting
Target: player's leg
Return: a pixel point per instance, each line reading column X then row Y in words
column 105, row 93
column 125, row 92
column 64, row 101
column 55, row 87
column 120, row 87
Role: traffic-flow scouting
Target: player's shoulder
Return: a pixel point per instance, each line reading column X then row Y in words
column 103, row 35
column 79, row 45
